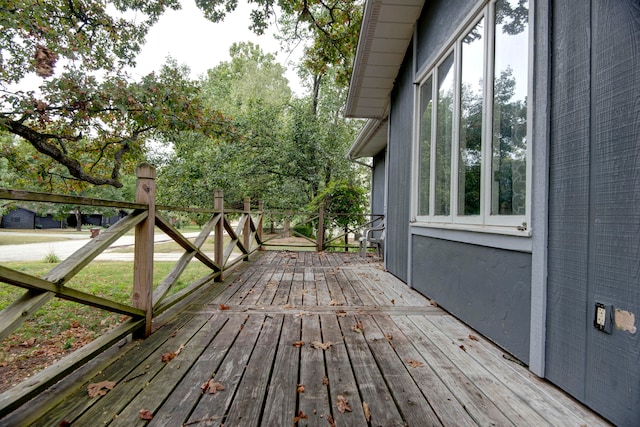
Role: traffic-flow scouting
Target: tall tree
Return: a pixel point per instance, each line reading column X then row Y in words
column 87, row 114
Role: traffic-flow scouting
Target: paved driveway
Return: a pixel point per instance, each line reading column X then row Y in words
column 64, row 248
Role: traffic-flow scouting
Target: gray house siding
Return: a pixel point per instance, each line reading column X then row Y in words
column 399, row 158
column 488, row 288
column 19, row 218
column 594, row 206
column 438, row 22
column 48, row 222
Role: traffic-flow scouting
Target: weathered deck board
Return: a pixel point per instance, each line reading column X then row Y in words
column 391, row 351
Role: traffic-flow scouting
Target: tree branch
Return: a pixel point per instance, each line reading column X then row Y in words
column 41, row 143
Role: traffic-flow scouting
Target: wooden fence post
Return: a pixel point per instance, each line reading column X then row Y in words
column 218, row 205
column 143, row 251
column 286, row 232
column 259, row 224
column 320, row 236
column 246, row 233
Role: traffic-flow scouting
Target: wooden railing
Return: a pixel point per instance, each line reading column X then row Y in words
column 146, row 301
column 245, row 238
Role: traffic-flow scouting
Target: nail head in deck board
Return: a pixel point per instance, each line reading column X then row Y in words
column 314, row 402
column 280, row 405
column 152, row 396
column 441, row 399
column 230, row 372
column 415, row 409
column 178, row 406
column 247, row 405
column 371, row 385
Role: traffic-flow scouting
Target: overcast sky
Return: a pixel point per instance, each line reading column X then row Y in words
column 191, row 39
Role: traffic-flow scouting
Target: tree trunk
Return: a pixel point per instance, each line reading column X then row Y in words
column 346, row 238
column 78, row 215
column 316, row 93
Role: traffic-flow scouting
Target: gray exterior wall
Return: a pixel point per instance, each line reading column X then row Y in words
column 487, row 288
column 594, row 204
column 48, row 222
column 19, row 218
column 439, row 20
column 399, row 157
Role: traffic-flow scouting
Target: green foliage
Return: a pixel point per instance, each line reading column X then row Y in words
column 88, row 121
column 328, row 29
column 344, row 203
column 284, row 151
column 52, row 258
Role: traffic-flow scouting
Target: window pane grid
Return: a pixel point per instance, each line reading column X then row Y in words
column 472, row 129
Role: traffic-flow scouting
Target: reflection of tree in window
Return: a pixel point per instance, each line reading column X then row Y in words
column 444, row 136
column 470, row 141
column 509, row 143
column 426, row 110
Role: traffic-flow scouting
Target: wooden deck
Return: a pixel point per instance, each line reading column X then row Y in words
column 392, row 358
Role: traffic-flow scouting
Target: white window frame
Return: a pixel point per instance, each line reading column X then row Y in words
column 518, row 225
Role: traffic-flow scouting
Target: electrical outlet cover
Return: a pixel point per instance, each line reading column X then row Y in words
column 603, row 317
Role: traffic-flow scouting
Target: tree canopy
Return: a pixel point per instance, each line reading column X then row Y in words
column 87, row 122
column 283, row 152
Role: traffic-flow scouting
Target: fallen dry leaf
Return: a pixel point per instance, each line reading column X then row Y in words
column 330, row 420
column 28, row 343
column 341, row 313
column 388, row 336
column 393, row 302
column 367, row 411
column 288, row 306
column 168, row 357
column 211, row 386
column 224, row 307
column 100, row 389
column 433, row 303
column 298, row 344
column 318, row 344
column 301, row 416
column 334, row 302
column 300, row 388
column 145, row 415
column 358, row 326
column 343, row 404
column 473, row 337
column 414, row 363
column 325, row 381
column 462, row 347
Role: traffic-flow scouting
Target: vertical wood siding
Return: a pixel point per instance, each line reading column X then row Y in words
column 594, row 206
column 399, row 193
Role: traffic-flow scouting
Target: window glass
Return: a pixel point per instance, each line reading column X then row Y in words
column 509, row 141
column 470, row 132
column 444, row 137
column 426, row 113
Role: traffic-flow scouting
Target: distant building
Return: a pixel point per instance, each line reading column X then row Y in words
column 22, row 218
